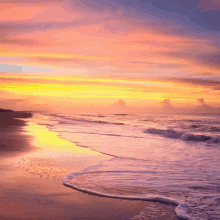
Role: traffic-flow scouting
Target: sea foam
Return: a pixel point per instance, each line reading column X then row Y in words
column 184, row 209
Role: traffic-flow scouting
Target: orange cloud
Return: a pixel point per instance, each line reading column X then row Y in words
column 12, row 12
column 104, row 56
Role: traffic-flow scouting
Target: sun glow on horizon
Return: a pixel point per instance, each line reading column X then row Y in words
column 80, row 55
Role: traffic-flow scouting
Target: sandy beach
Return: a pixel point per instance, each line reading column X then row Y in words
column 32, row 164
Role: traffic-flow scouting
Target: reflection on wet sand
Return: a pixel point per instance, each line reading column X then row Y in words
column 55, row 157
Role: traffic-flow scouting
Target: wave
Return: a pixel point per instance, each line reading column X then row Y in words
column 96, row 122
column 70, row 120
column 205, row 128
column 214, row 129
column 181, row 207
column 104, row 134
column 92, row 115
column 82, row 120
column 194, row 126
column 199, row 138
column 87, row 115
column 170, row 133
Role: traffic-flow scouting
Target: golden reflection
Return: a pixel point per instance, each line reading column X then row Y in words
column 49, row 141
column 54, row 158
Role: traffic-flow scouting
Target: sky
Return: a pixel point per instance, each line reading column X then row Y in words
column 110, row 55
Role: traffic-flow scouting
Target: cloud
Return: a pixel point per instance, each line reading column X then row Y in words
column 159, row 65
column 52, row 60
column 205, row 108
column 18, row 42
column 10, row 59
column 166, row 103
column 23, row 69
column 119, row 104
column 26, row 42
column 61, row 61
column 211, row 59
column 142, row 13
column 3, row 92
column 202, row 58
column 10, row 28
column 11, row 103
column 201, row 101
column 204, row 74
column 25, row 27
column 209, row 83
column 139, row 12
column 10, row 68
column 145, row 35
column 179, row 11
column 166, row 106
column 209, row 5
column 187, row 11
column 27, row 2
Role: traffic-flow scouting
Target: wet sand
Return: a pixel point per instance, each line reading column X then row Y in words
column 33, row 162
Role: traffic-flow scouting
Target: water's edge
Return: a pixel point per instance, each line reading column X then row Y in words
column 180, row 206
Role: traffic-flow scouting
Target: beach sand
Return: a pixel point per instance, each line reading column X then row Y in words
column 33, row 161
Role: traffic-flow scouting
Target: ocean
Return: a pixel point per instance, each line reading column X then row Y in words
column 155, row 157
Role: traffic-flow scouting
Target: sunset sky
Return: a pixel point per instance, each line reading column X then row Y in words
column 79, row 55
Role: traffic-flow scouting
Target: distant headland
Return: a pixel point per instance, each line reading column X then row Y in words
column 16, row 114
column 5, row 110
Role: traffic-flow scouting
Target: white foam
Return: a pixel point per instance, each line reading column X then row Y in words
column 181, row 207
column 189, row 191
column 186, row 136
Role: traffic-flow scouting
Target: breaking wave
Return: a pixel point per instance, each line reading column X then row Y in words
column 170, row 133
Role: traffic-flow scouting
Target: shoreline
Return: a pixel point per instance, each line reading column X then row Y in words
column 32, row 182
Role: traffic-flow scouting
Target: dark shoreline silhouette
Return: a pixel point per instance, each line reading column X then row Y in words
column 12, row 139
column 17, row 114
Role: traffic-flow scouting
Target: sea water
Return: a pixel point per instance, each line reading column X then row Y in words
column 163, row 158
